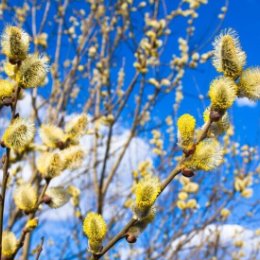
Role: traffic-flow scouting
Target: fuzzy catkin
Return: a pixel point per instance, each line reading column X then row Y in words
column 33, row 71
column 228, row 56
column 58, row 196
column 19, row 134
column 9, row 242
column 186, row 127
column 222, row 93
column 15, row 43
column 7, row 88
column 51, row 135
column 76, row 126
column 95, row 228
column 146, row 192
column 72, row 157
column 49, row 165
column 249, row 84
column 207, row 156
column 25, row 197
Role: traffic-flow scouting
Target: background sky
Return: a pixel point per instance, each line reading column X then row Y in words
column 243, row 17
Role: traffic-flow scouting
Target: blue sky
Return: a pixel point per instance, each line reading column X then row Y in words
column 242, row 16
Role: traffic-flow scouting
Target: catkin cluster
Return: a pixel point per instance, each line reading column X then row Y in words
column 64, row 151
column 205, row 152
column 24, row 71
column 95, row 228
column 60, row 149
column 201, row 148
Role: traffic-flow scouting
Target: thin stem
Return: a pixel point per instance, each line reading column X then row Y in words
column 32, row 215
column 116, row 238
column 177, row 170
column 39, row 249
column 6, row 162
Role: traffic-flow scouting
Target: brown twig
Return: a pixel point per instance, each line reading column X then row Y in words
column 164, row 184
column 6, row 162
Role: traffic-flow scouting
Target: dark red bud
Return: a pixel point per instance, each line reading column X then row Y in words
column 130, row 238
column 190, row 151
column 46, row 199
column 215, row 115
column 60, row 145
column 13, row 61
column 187, row 173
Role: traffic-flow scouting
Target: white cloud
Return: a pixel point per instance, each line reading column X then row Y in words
column 227, row 235
column 138, row 150
column 245, row 102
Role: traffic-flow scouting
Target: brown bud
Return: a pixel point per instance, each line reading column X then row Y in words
column 13, row 61
column 190, row 151
column 2, row 144
column 130, row 238
column 215, row 115
column 16, row 115
column 6, row 258
column 47, row 179
column 61, row 145
column 187, row 173
column 7, row 101
column 46, row 199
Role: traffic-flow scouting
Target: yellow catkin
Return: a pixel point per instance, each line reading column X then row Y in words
column 228, row 56
column 19, row 134
column 58, row 195
column 191, row 187
column 76, row 126
column 32, row 224
column 10, row 69
column 146, row 192
column 182, row 195
column 207, row 156
column 9, row 242
column 192, row 204
column 95, row 228
column 52, row 135
column 7, row 88
column 15, row 43
column 239, row 185
column 49, row 165
column 25, row 197
column 74, row 192
column 225, row 213
column 186, row 127
column 247, row 193
column 72, row 157
column 249, row 84
column 181, row 204
column 222, row 93
column 33, row 71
